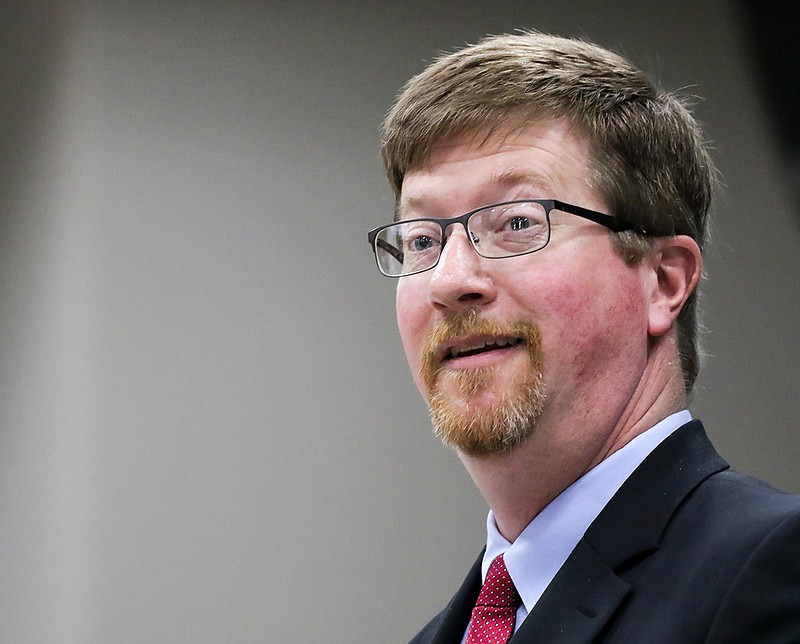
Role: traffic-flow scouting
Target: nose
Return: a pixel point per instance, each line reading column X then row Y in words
column 460, row 280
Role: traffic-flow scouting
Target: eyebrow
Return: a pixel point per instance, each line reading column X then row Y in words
column 512, row 177
column 507, row 178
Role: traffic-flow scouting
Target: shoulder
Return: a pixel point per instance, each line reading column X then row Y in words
column 762, row 600
column 727, row 557
column 728, row 516
column 737, row 501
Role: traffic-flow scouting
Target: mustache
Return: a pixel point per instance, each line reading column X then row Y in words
column 471, row 323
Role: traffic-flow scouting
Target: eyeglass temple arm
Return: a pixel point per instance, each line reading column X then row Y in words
column 614, row 223
column 392, row 250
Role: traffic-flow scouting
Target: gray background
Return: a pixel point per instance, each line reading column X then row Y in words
column 208, row 431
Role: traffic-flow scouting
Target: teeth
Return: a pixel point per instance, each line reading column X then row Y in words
column 455, row 352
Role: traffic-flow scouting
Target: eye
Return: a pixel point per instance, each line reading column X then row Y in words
column 518, row 223
column 421, row 236
column 421, row 243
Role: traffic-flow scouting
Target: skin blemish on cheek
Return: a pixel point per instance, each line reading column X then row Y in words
column 567, row 297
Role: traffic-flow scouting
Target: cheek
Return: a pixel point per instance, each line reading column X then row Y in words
column 574, row 326
column 411, row 323
column 594, row 319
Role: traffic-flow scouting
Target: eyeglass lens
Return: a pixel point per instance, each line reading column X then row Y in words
column 496, row 231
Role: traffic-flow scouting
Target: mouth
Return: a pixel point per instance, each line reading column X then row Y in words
column 475, row 347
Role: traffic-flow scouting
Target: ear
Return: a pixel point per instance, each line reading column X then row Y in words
column 677, row 265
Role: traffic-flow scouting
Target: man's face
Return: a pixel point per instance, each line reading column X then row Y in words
column 549, row 345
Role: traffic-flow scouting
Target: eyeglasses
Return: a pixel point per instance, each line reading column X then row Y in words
column 505, row 229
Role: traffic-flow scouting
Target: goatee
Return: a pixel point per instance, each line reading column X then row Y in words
column 481, row 429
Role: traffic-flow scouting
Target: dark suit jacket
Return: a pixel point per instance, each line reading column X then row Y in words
column 686, row 551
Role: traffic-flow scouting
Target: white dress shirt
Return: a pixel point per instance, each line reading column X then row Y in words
column 543, row 547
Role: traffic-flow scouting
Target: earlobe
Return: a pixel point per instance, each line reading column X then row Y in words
column 677, row 264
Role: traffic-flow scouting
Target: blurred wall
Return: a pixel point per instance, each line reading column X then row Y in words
column 207, row 428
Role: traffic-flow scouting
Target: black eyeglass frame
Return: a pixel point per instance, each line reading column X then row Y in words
column 611, row 222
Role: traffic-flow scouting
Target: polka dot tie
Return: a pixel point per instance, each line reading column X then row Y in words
column 493, row 617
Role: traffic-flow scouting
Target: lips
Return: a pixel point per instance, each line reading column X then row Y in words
column 463, row 345
column 474, row 347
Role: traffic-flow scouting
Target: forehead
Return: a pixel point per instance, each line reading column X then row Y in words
column 543, row 159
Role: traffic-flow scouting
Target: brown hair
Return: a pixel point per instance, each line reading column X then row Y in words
column 648, row 158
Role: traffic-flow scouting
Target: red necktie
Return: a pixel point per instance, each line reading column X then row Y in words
column 493, row 617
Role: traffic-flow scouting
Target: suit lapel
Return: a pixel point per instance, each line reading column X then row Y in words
column 587, row 590
column 577, row 603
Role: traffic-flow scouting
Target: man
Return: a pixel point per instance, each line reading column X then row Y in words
column 551, row 210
